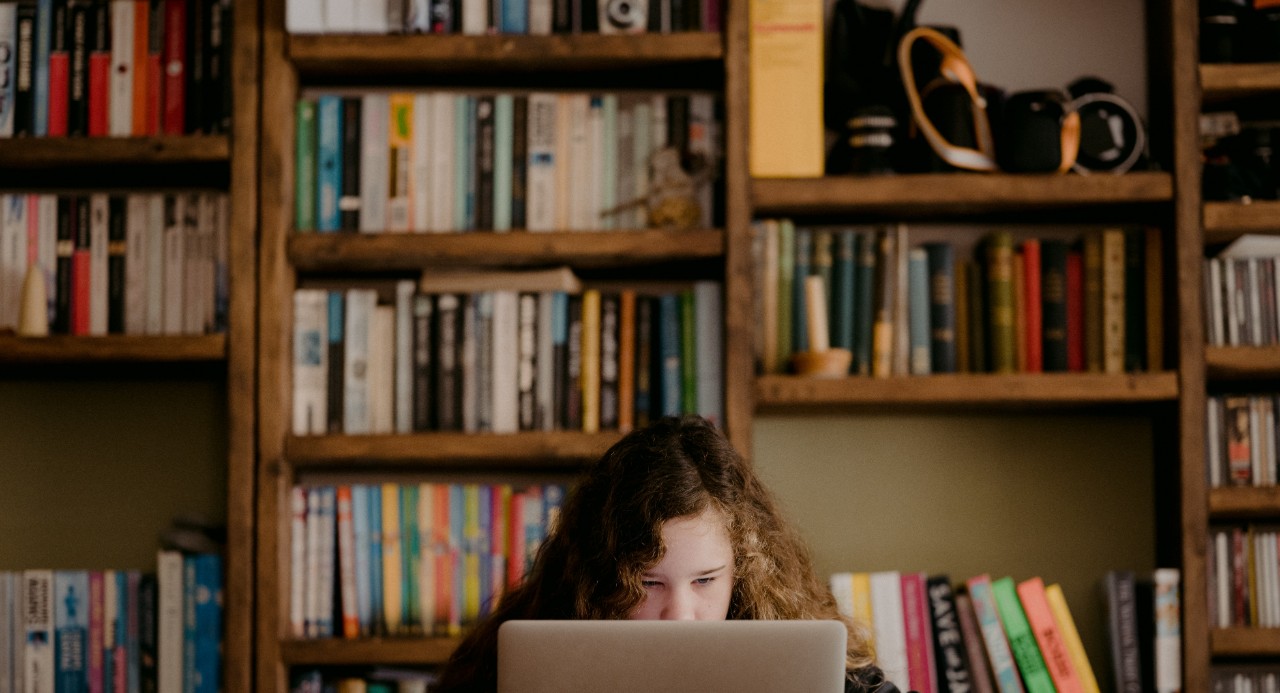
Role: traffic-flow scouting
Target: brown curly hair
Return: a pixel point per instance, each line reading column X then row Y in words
column 610, row 532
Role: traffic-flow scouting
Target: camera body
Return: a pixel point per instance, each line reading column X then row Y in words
column 623, row 16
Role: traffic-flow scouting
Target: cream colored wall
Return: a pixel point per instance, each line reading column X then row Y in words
column 92, row 471
column 1064, row 497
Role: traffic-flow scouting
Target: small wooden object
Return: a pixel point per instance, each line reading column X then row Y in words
column 33, row 321
column 821, row 360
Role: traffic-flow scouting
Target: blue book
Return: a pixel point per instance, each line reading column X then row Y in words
column 918, row 311
column 503, row 144
column 669, row 353
column 464, row 124
column 379, row 626
column 360, row 528
column 559, row 352
column 208, row 623
column 457, row 549
column 515, row 16
column 942, row 307
column 335, row 380
column 410, row 555
column 40, row 62
column 329, row 162
column 841, row 310
column 70, row 631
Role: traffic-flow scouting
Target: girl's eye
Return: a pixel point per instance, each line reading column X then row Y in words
column 650, row 583
column 704, row 581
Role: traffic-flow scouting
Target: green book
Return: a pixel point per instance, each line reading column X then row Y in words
column 864, row 276
column 1022, row 641
column 688, row 353
column 411, row 556
column 1000, row 325
column 304, row 166
column 786, row 283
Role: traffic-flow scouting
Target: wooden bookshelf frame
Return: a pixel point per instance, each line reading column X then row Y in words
column 113, row 349
column 547, row 450
column 62, row 152
column 420, row 651
column 1219, row 82
column 1226, row 221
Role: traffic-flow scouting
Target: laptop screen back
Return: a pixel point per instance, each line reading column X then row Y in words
column 671, row 656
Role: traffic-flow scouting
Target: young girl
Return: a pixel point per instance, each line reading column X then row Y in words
column 671, row 523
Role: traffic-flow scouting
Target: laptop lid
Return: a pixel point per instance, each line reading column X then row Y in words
column 671, row 656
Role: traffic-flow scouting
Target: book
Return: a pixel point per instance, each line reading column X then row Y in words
column 1071, row 637
column 999, row 302
column 310, row 366
column 71, row 629
column 785, row 75
column 982, row 595
column 1135, row 299
column 1048, row 635
column 169, row 620
column 1022, row 641
column 974, row 649
column 1114, row 298
column 1122, row 628
column 942, row 307
column 951, row 665
column 918, row 627
column 351, row 154
column 1053, row 305
column 174, row 56
column 919, row 314
column 884, row 288
column 889, row 626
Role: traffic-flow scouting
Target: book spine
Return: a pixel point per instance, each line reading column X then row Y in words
column 627, row 359
column 527, row 369
column 1071, row 637
column 1168, row 629
column 889, row 625
column 78, row 36
column 688, row 345
column 8, row 56
column 803, row 258
column 423, row 363
column 884, row 288
column 942, row 307
column 353, row 123
column 402, row 363
column 545, row 360
column 573, row 363
column 169, row 619
column 645, row 351
column 402, row 187
column 589, row 379
column 304, row 169
column 1048, row 636
column 1021, row 640
column 375, row 168
column 609, row 317
column 81, row 267
column 975, row 650
column 519, row 162
column 448, row 382
column 1153, row 271
column 951, row 668
column 334, row 360
column 1123, row 629
column 1060, row 307
column 1113, row 300
column 197, row 47
column 505, row 362
column 1135, row 305
column 999, row 303
column 24, row 68
column 71, row 629
column 329, row 175
column 174, row 55
column 993, row 635
column 410, row 558
column 359, row 317
column 99, row 263
column 918, row 312
column 786, row 287
column 1034, row 333
column 208, row 623
column 921, row 675
column 485, row 125
column 708, row 343
column 58, row 70
column 99, row 675
column 99, row 66
column 117, row 253
column 347, row 562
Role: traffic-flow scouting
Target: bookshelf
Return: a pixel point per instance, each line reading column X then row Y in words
column 206, row 381
column 294, row 63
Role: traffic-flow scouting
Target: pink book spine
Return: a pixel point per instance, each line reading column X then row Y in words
column 921, row 676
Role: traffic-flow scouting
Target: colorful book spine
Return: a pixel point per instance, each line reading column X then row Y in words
column 993, row 634
column 1048, row 636
column 917, row 623
column 1071, row 637
column 942, row 307
column 305, row 165
column 1021, row 639
column 999, row 303
column 919, row 315
column 950, row 663
column 1055, row 299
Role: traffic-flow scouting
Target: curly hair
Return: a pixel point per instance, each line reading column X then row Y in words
column 609, row 533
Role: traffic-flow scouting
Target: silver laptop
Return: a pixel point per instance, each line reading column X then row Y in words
column 671, row 656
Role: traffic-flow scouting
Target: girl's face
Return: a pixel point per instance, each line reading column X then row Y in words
column 694, row 579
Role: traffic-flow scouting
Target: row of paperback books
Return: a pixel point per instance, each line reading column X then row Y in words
column 113, row 631
column 478, row 17
column 1240, row 439
column 139, row 263
column 445, row 161
column 1086, row 300
column 1244, row 576
column 116, row 68
column 1245, row 679
column 376, row 680
column 419, row 358
column 410, row 559
column 1242, row 294
column 988, row 635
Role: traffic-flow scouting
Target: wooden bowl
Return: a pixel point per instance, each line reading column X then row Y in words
column 832, row 363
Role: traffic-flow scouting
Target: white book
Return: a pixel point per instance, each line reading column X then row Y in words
column 421, row 157
column 340, row 16
column 356, row 415
column 1253, row 295
column 527, row 362
column 592, row 194
column 297, row 562
column 418, row 17
column 1168, row 645
column 841, row 585
column 120, row 99
column 1255, row 442
column 375, row 114
column 426, row 557
column 503, row 131
column 540, row 17
column 313, row 601
column 304, row 16
column 175, row 260
column 327, row 545
column 403, row 365
column 99, row 222
column 135, row 264
column 506, row 338
column 540, row 177
column 37, row 618
column 642, row 150
column 310, row 361
column 9, row 610
column 13, row 257
column 8, row 79
column 1232, row 315
column 441, row 143
column 580, row 163
column 1213, row 440
column 46, row 210
column 371, row 16
column 624, row 180
column 169, row 621
column 565, row 173
column 708, row 301
column 191, row 272
column 608, row 166
column 382, row 371
column 157, row 204
column 1222, row 567
column 475, row 17
column 888, row 625
column 545, row 362
column 477, row 327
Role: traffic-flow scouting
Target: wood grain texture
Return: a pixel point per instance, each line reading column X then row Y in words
column 552, row 450
column 1244, row 502
column 112, row 348
column 1226, row 221
column 61, row 152
column 739, row 287
column 1228, row 81
column 1242, row 363
column 1230, row 643
column 371, row 651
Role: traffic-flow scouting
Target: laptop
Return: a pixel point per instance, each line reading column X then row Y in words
column 671, row 656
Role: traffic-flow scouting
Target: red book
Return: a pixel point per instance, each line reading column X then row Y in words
column 1044, row 626
column 1075, row 311
column 59, row 70
column 516, row 538
column 141, row 65
column 99, row 68
column 1031, row 304
column 173, row 103
column 916, row 618
column 154, row 65
column 80, row 285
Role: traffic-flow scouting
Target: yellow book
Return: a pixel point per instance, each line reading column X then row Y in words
column 471, row 553
column 785, row 74
column 1071, row 637
column 392, row 570
column 1113, row 298
column 862, row 601
column 500, row 539
column 400, row 163
column 589, row 379
column 428, row 550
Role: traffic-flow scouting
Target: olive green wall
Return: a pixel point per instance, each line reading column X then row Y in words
column 1065, row 497
column 92, row 470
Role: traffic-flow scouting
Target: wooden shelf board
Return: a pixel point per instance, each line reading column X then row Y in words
column 954, row 192
column 1245, row 502
column 403, row 251
column 335, row 54
column 1244, row 642
column 551, row 450
column 112, row 349
column 369, row 651
column 1223, row 81
column 949, row 390
column 1237, row 363
column 1224, row 221
column 55, row 152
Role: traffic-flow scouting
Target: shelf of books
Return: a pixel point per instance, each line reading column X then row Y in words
column 954, row 193
column 113, row 348
column 1235, row 80
column 354, row 54
column 1226, row 221
column 398, row 251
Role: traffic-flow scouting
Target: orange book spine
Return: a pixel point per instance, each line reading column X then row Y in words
column 1057, row 657
column 1031, row 305
column 626, row 360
